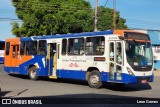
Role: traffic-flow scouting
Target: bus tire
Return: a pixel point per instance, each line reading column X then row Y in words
column 33, row 75
column 94, row 79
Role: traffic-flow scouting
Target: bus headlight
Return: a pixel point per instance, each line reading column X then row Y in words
column 130, row 71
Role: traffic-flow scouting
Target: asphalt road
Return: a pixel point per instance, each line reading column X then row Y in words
column 21, row 86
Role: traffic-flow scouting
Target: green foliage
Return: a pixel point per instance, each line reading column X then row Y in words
column 45, row 17
column 15, row 29
column 105, row 20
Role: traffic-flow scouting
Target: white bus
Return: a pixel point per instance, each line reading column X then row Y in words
column 2, row 43
column 117, row 56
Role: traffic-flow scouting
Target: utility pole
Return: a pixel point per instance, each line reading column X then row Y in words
column 114, row 14
column 96, row 17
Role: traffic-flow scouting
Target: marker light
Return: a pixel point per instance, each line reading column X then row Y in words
column 130, row 71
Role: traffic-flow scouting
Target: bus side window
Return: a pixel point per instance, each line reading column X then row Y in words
column 7, row 48
column 100, row 46
column 119, row 53
column 31, row 47
column 15, row 51
column 22, row 48
column 94, row 45
column 76, row 46
column 64, row 46
column 111, row 58
column 111, row 54
column 42, row 47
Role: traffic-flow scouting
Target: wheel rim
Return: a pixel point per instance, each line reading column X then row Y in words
column 33, row 73
column 94, row 79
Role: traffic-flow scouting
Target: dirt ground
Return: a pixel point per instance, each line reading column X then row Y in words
column 157, row 73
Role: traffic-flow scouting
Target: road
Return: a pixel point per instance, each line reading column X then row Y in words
column 21, row 86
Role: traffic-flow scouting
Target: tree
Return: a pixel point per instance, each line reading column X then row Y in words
column 15, row 29
column 45, row 17
column 105, row 19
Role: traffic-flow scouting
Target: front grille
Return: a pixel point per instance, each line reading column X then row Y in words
column 139, row 79
column 142, row 69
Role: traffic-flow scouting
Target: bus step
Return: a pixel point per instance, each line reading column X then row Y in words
column 53, row 77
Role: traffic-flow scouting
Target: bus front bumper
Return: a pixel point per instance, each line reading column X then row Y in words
column 129, row 79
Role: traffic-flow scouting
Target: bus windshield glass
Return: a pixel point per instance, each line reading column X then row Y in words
column 139, row 54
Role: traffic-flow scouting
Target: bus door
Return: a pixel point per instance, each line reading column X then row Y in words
column 115, row 60
column 14, row 57
column 52, row 60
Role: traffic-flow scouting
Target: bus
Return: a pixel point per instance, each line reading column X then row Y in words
column 2, row 44
column 117, row 56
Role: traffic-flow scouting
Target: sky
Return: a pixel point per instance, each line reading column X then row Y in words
column 138, row 14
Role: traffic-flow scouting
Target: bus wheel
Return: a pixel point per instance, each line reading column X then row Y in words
column 33, row 73
column 94, row 79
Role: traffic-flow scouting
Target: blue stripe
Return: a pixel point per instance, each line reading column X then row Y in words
column 126, row 78
column 25, row 39
column 7, row 69
column 1, row 59
column 81, row 75
column 12, row 69
column 72, row 74
column 37, row 59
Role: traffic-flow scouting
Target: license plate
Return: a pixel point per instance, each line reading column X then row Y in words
column 144, row 81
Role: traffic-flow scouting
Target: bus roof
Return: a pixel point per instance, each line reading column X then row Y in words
column 98, row 33
column 68, row 35
column 12, row 40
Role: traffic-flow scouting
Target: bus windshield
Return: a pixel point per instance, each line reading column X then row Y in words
column 139, row 54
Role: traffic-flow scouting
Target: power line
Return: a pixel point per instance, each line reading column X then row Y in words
column 106, row 3
column 10, row 19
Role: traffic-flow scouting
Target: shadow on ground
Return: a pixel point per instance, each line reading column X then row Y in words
column 3, row 93
column 109, row 86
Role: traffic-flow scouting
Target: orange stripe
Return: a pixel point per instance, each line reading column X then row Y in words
column 121, row 32
column 24, row 59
